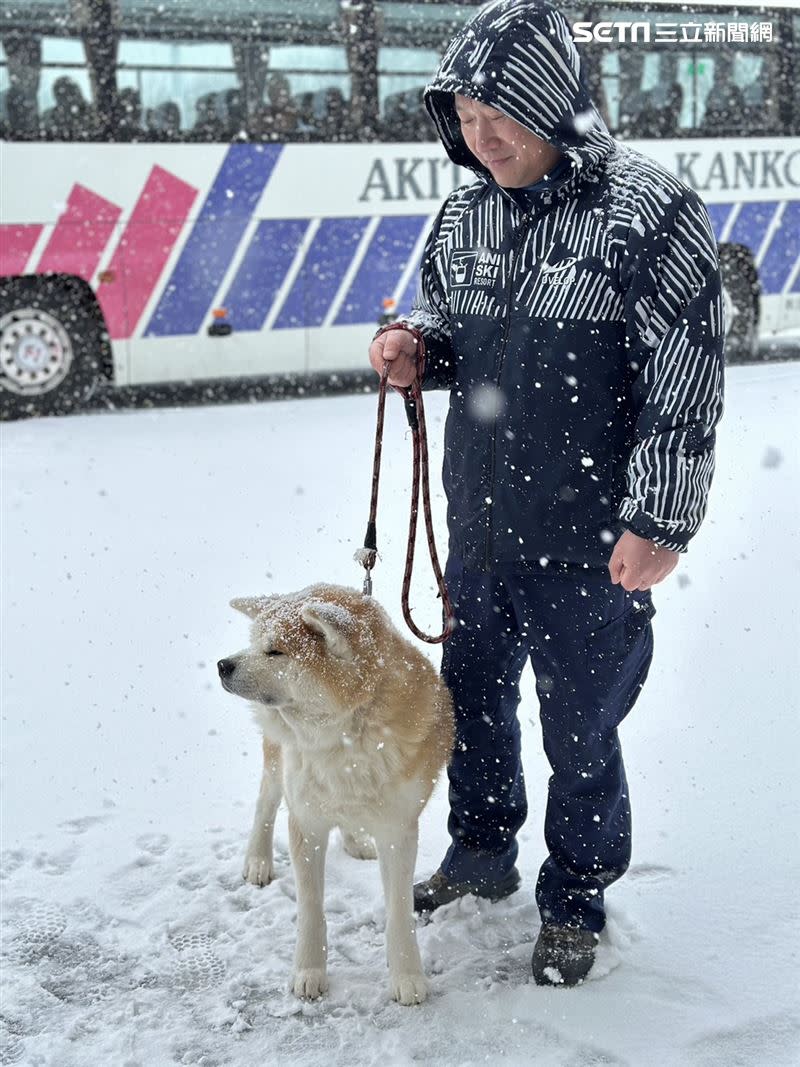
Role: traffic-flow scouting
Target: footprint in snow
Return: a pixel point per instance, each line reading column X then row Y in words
column 153, row 844
column 225, row 850
column 81, row 825
column 137, row 881
column 233, row 883
column 197, row 966
column 195, row 1054
column 86, row 911
column 193, row 880
column 11, row 859
column 38, row 923
column 55, row 863
column 507, row 971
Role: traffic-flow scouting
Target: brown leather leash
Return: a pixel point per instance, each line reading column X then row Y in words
column 368, row 555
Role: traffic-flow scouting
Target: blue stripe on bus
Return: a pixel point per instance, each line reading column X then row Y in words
column 381, row 268
column 751, row 224
column 719, row 215
column 406, row 301
column 263, row 270
column 213, row 241
column 784, row 248
column 325, row 265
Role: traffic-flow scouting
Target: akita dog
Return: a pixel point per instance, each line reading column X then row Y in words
column 357, row 725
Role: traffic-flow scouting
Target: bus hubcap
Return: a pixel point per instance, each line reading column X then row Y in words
column 35, row 352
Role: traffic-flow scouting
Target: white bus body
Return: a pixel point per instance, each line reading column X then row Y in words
column 300, row 244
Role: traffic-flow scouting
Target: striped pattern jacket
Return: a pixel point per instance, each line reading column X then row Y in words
column 581, row 336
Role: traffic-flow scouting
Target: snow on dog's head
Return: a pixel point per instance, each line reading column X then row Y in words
column 309, row 651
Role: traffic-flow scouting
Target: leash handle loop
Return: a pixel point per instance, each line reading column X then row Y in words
column 415, row 412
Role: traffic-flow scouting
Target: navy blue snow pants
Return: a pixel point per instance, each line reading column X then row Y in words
column 590, row 645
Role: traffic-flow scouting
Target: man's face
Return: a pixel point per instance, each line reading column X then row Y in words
column 514, row 156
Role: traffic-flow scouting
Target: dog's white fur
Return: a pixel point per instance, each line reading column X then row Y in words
column 356, row 725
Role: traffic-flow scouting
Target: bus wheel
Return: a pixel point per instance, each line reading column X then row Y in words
column 740, row 294
column 52, row 345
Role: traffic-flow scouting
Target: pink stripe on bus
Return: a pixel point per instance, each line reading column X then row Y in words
column 16, row 245
column 80, row 235
column 143, row 250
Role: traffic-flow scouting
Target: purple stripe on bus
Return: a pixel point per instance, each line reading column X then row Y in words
column 324, row 267
column 406, row 301
column 381, row 268
column 264, row 267
column 751, row 224
column 719, row 215
column 213, row 241
column 781, row 256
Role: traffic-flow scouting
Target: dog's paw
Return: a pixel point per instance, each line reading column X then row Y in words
column 310, row 983
column 359, row 845
column 409, row 988
column 258, row 870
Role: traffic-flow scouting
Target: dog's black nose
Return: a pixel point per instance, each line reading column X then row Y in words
column 226, row 667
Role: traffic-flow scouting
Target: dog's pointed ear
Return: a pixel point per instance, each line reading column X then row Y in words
column 331, row 621
column 249, row 605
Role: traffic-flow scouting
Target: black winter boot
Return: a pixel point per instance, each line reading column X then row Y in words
column 439, row 890
column 563, row 955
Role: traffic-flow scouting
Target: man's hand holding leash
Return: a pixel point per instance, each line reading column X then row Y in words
column 399, row 349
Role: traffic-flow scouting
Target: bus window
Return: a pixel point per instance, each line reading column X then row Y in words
column 64, row 86
column 697, row 93
column 691, row 79
column 225, row 18
column 46, row 89
column 176, row 87
column 307, row 95
column 238, row 69
column 412, row 38
column 416, row 25
column 402, row 76
column 643, row 93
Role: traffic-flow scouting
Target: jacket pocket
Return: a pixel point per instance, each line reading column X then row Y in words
column 618, row 656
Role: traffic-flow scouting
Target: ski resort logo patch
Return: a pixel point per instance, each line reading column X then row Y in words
column 469, row 269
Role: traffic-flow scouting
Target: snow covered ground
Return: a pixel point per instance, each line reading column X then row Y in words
column 129, row 775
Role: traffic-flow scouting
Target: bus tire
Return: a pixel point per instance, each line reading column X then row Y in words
column 741, row 296
column 53, row 345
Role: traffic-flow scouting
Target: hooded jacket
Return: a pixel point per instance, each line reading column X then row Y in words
column 581, row 336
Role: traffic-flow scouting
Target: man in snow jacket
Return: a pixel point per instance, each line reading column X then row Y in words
column 570, row 300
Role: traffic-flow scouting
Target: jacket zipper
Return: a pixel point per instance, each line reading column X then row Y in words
column 519, row 236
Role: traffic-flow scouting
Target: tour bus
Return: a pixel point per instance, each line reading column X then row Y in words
column 209, row 190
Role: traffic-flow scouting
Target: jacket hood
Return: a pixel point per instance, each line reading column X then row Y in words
column 518, row 57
